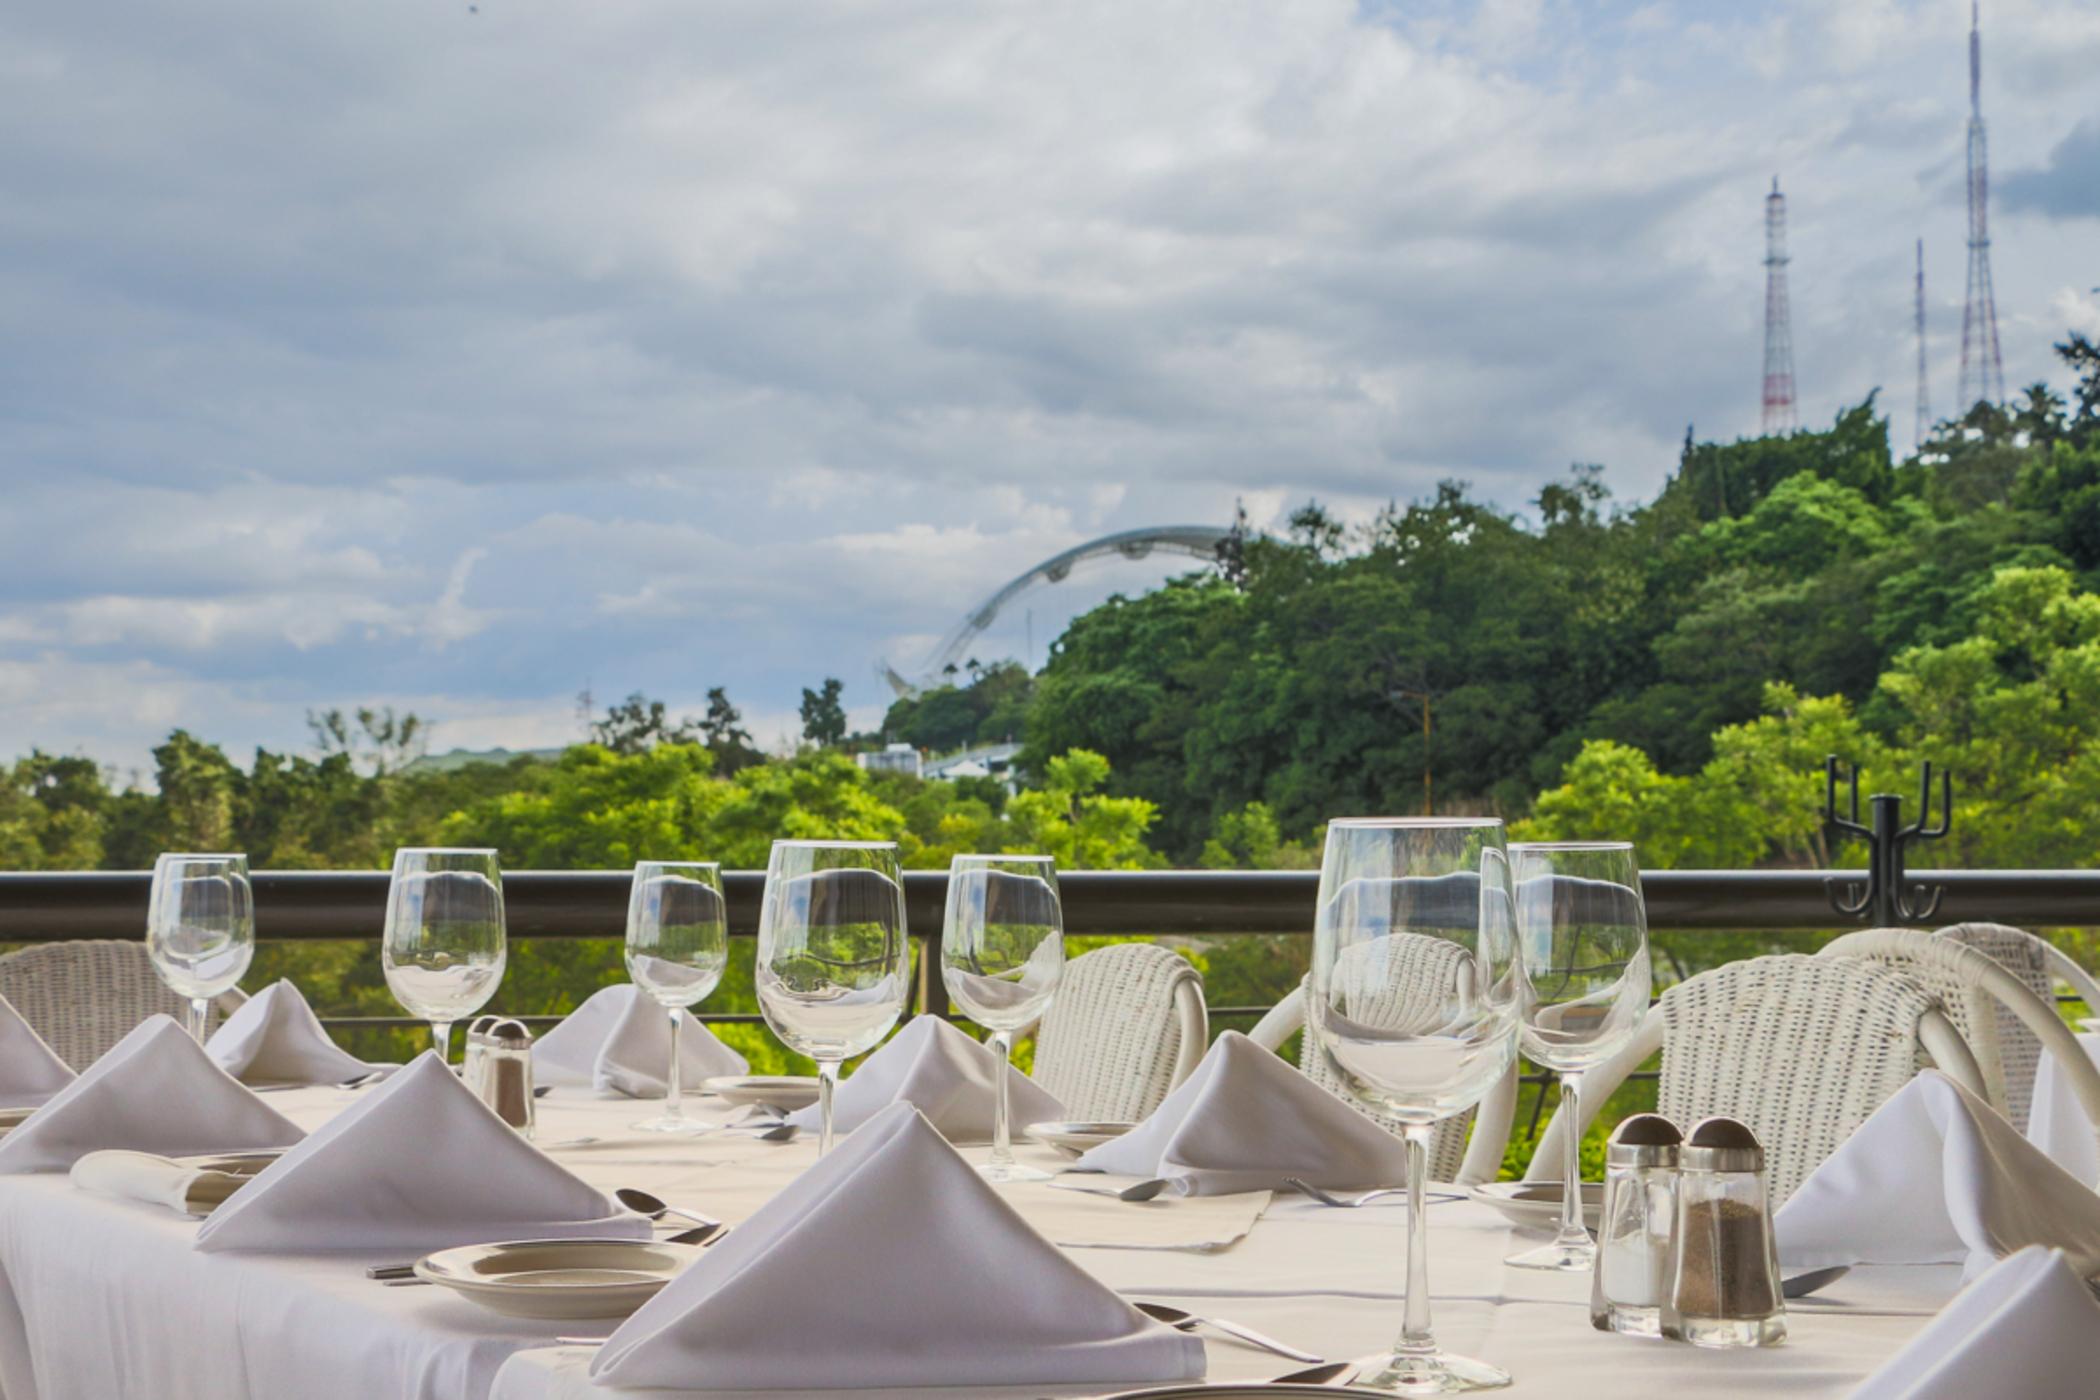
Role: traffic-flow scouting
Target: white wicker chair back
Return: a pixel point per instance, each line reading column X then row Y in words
column 1127, row 1024
column 86, row 995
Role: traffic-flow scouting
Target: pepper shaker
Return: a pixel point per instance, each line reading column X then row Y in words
column 1725, row 1282
column 507, row 1076
column 1637, row 1225
column 475, row 1065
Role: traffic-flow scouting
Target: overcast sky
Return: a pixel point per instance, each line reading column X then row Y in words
column 460, row 358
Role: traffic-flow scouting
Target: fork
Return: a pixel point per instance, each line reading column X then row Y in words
column 1182, row 1321
column 1328, row 1198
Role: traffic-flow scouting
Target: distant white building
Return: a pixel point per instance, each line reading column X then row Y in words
column 897, row 758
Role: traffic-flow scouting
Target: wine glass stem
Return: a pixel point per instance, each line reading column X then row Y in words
column 1571, row 1229
column 827, row 1086
column 673, row 1108
column 1415, row 1337
column 1002, row 1131
column 441, row 1040
column 200, row 1011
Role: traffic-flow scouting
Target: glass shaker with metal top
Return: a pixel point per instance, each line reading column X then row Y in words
column 1724, row 1289
column 1632, row 1271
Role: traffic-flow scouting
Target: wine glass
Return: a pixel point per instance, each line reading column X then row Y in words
column 1002, row 953
column 677, row 948
column 442, row 947
column 834, row 962
column 1582, row 935
column 1413, row 1002
column 200, row 927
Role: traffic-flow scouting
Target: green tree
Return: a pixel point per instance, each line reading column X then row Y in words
column 824, row 714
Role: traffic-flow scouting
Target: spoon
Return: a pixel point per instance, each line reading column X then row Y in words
column 656, row 1208
column 1142, row 1191
column 1188, row 1322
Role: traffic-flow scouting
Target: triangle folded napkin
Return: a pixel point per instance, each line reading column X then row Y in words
column 1937, row 1176
column 946, row 1075
column 1244, row 1121
column 417, row 1163
column 30, row 1070
column 619, row 1042
column 2029, row 1326
column 154, row 1091
column 276, row 1039
column 804, row 1295
column 141, row 1176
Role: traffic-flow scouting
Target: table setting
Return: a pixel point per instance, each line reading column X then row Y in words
column 330, row 1227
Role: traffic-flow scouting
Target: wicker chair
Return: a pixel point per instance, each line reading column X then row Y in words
column 1802, row 1049
column 2039, row 965
column 1128, row 1023
column 1996, row 985
column 1453, row 1156
column 84, row 996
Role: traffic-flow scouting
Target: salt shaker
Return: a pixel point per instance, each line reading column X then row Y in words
column 1632, row 1271
column 507, row 1074
column 1724, row 1289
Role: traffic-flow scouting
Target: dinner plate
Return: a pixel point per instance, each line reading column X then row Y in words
column 1076, row 1138
column 786, row 1092
column 1535, row 1205
column 558, row 1278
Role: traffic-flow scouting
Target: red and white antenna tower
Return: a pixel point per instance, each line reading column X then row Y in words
column 1924, row 424
column 1982, row 370
column 1779, row 414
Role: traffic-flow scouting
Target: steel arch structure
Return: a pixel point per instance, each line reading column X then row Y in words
column 1195, row 541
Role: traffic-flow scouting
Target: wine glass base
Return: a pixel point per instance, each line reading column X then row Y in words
column 1561, row 1257
column 1010, row 1171
column 1428, row 1373
column 676, row 1126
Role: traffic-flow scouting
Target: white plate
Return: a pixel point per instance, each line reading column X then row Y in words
column 558, row 1278
column 1076, row 1138
column 232, row 1163
column 1535, row 1205
column 786, row 1092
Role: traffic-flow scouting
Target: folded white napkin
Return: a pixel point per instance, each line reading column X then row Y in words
column 141, row 1176
column 276, row 1039
column 805, row 1296
column 947, row 1075
column 1937, row 1176
column 1244, row 1121
column 154, row 1091
column 30, row 1070
column 619, row 1042
column 2028, row 1327
column 417, row 1163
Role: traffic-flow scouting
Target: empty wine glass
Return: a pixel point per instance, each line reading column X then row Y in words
column 200, row 927
column 834, row 961
column 677, row 947
column 1413, row 1003
column 443, row 947
column 1582, row 936
column 1002, row 953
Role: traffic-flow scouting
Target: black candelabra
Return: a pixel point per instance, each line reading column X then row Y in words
column 1884, row 897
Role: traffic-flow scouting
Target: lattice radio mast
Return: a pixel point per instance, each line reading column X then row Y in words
column 1924, row 424
column 1982, row 369
column 1779, row 416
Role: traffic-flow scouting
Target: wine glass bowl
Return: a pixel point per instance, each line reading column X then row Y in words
column 1582, row 932
column 1002, row 956
column 677, row 948
column 834, row 956
column 443, row 946
column 1413, row 1002
column 200, row 927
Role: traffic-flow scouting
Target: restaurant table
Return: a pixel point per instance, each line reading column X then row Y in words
column 103, row 1298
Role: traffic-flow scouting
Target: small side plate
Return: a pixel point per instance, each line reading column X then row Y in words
column 1076, row 1138
column 786, row 1092
column 1535, row 1205
column 233, row 1163
column 558, row 1278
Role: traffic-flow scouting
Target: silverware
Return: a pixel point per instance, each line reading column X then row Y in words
column 656, row 1208
column 1801, row 1285
column 1188, row 1322
column 1142, row 1191
column 1328, row 1373
column 1328, row 1198
column 771, row 1131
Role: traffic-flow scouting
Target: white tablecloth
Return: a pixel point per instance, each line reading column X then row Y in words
column 102, row 1299
column 2058, row 1125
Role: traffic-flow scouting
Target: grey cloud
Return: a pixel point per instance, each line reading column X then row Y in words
column 2068, row 187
